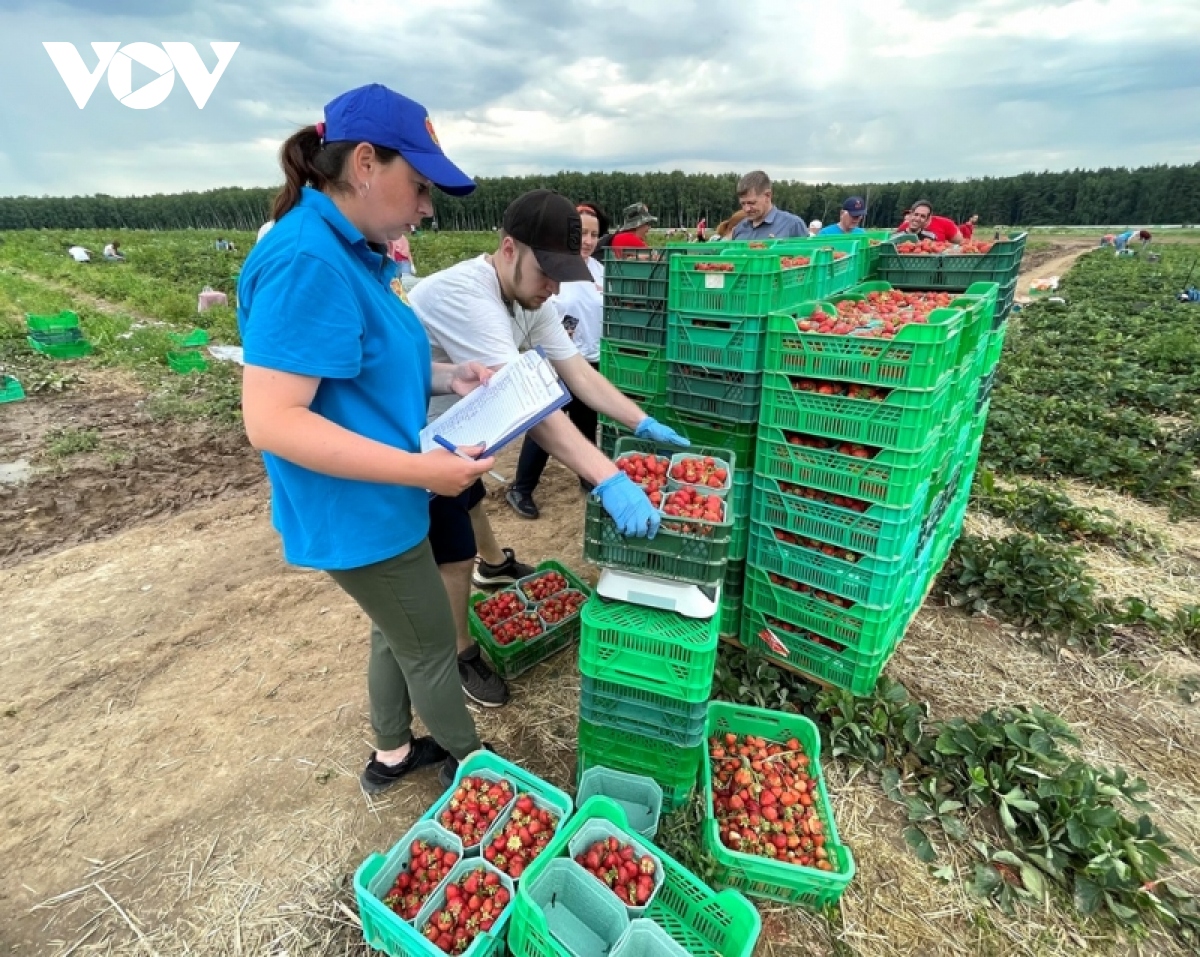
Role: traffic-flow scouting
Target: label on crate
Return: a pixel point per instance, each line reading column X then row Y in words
column 714, row 281
column 771, row 640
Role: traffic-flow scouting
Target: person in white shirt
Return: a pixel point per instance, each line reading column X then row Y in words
column 264, row 229
column 815, row 227
column 79, row 254
column 580, row 306
column 489, row 310
column 112, row 252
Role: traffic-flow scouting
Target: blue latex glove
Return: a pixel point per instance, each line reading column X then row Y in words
column 629, row 506
column 650, row 428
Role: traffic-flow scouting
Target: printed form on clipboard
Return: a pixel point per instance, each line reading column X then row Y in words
column 516, row 399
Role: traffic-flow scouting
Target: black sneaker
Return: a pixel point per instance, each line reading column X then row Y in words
column 479, row 682
column 378, row 776
column 522, row 503
column 449, row 767
column 506, row 573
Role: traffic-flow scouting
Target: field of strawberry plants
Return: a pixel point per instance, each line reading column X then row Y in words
column 1023, row 780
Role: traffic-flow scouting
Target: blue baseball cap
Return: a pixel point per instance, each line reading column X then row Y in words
column 856, row 206
column 375, row 114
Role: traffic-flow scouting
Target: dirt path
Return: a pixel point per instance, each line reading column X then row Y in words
column 1036, row 267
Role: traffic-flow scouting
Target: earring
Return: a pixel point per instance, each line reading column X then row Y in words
column 366, row 188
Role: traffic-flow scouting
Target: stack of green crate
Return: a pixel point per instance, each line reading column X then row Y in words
column 633, row 347
column 58, row 336
column 647, row 677
column 859, row 440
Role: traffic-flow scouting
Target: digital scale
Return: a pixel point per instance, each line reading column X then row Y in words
column 691, row 601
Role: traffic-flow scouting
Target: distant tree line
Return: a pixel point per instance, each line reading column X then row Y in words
column 1149, row 194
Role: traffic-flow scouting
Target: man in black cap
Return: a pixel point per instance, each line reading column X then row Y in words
column 491, row 309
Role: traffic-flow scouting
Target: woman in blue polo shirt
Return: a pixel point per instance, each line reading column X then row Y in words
column 338, row 376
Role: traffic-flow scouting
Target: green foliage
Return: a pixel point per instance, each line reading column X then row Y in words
column 1105, row 388
column 61, row 443
column 1051, row 513
column 1056, row 828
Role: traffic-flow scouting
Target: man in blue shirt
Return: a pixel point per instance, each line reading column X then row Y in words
column 763, row 220
column 854, row 210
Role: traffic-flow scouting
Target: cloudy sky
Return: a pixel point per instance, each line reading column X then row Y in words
column 819, row 90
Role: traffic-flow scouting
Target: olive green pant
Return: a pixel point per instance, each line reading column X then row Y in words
column 414, row 662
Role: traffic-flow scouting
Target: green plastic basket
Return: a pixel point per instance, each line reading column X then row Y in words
column 632, row 322
column 192, row 340
column 636, row 366
column 916, row 358
column 762, row 877
column 880, row 532
column 867, row 631
column 717, row 342
column 59, row 322
column 995, row 346
column 835, row 275
column 721, row 394
column 869, row 581
column 706, row 431
column 647, row 649
column 186, row 362
column 732, row 592
column 755, row 283
column 621, row 708
column 840, row 669
column 674, row 768
column 385, row 931
column 978, row 304
column 62, row 350
column 644, row 938
column 904, row 420
column 62, row 337
column 583, row 917
column 640, row 797
column 515, row 659
column 906, row 271
column 10, row 389
column 999, row 265
column 493, row 767
column 1004, row 303
column 595, row 831
column 705, row 923
column 890, row 478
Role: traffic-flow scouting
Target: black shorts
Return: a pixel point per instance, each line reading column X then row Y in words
column 450, row 533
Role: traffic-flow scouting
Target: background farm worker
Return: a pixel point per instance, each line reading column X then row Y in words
column 264, row 229
column 763, row 220
column 112, row 252
column 635, row 227
column 924, row 225
column 726, row 227
column 337, row 379
column 702, row 230
column 968, row 228
column 815, row 226
column 580, row 306
column 79, row 254
column 489, row 310
column 854, row 211
column 1123, row 240
column 220, row 245
column 399, row 252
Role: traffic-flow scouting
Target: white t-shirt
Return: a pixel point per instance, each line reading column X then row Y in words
column 79, row 254
column 265, row 228
column 109, row 250
column 466, row 319
column 585, row 302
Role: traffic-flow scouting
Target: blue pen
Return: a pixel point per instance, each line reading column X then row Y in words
column 451, row 447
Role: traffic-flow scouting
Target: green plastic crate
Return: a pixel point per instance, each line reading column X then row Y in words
column 880, row 532
column 509, row 661
column 606, row 705
column 906, row 271
column 385, row 931
column 721, row 394
column 904, row 421
column 63, row 350
column 705, row 923
column 702, row 430
column 995, row 347
column 10, row 389
column 866, row 631
column 186, row 362
column 647, row 649
column 836, row 275
column 762, row 877
column 492, row 766
column 844, row 669
column 674, row 768
column 641, row 367
column 732, row 591
column 1004, row 303
column 754, row 284
column 916, row 358
column 978, row 304
column 62, row 337
column 999, row 265
column 633, row 322
column 677, row 556
column 59, row 322
column 890, row 478
column 192, row 340
column 717, row 342
column 869, row 581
